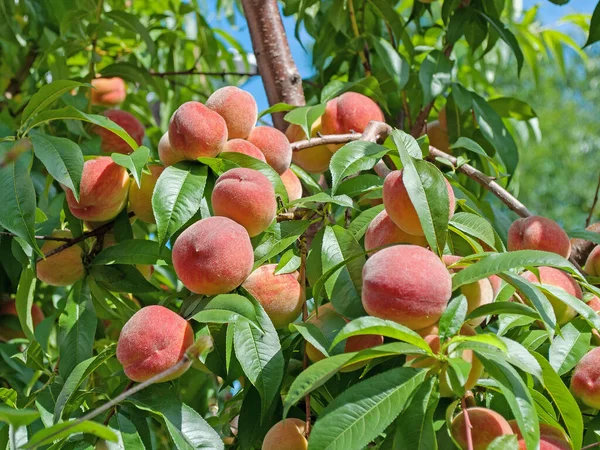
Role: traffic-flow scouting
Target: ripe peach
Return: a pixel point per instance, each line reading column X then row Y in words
column 108, row 91
column 349, row 112
column 102, row 192
column 551, row 438
column 110, row 141
column 62, row 268
column 237, row 107
column 496, row 283
column 288, row 434
column 274, row 145
column 140, row 198
column 560, row 279
column 279, row 295
column 407, row 284
column 9, row 308
column 487, row 425
column 443, row 119
column 592, row 264
column 246, row 196
column 196, row 131
column 213, row 256
column 399, row 206
column 313, row 159
column 152, row 341
column 538, row 233
column 166, row 154
column 438, row 136
column 292, row 184
column 244, row 147
column 585, row 382
column 382, row 231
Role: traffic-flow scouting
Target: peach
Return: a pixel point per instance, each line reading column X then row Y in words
column 438, row 136
column 274, row 145
column 551, row 438
column 244, row 147
column 9, row 308
column 312, row 159
column 399, row 205
column 407, row 284
column 585, row 382
column 152, row 341
column 62, row 268
column 213, row 256
column 246, row 196
column 487, row 425
column 166, row 154
column 292, row 184
column 113, row 143
column 382, row 231
column 108, row 91
column 538, row 233
column 288, row 434
column 102, row 192
column 237, row 107
column 349, row 112
column 196, row 131
column 443, row 118
column 496, row 283
column 559, row 279
column 592, row 264
column 279, row 295
column 140, row 198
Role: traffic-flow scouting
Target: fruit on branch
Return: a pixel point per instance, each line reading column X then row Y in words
column 111, row 143
column 400, row 207
column 274, row 145
column 437, row 133
column 140, row 198
column 280, row 295
column 551, row 438
column 288, row 434
column 407, row 284
column 350, row 112
column 538, row 233
column 102, row 192
column 382, row 231
column 496, row 283
column 196, row 131
column 592, row 264
column 433, row 340
column 62, row 268
column 166, row 154
column 108, row 91
column 244, row 147
column 213, row 256
column 247, row 197
column 292, row 184
column 9, row 308
column 487, row 425
column 237, row 107
column 562, row 280
column 585, row 382
column 152, row 341
column 313, row 159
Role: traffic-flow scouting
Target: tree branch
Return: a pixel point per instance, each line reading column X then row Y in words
column 200, row 72
column 591, row 214
column 40, row 238
column 14, row 86
column 303, row 254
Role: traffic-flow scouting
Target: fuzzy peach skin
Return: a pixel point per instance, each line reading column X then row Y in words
column 244, row 147
column 382, row 231
column 108, row 91
column 399, row 206
column 111, row 143
column 292, row 184
column 166, row 154
column 196, row 131
column 438, row 135
column 246, row 196
column 237, row 107
column 407, row 284
column 560, row 279
column 538, row 233
column 102, row 192
column 63, row 268
column 585, row 382
column 213, row 256
column 496, row 283
column 349, row 112
column 9, row 308
column 289, row 434
column 551, row 438
column 274, row 145
column 592, row 264
column 153, row 340
column 279, row 295
column 487, row 425
column 312, row 159
column 140, row 198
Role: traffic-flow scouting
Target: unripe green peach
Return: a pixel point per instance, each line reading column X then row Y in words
column 140, row 198
column 63, row 268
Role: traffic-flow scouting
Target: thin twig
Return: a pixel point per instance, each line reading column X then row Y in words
column 40, row 238
column 589, row 217
column 200, row 72
column 14, row 86
column 594, row 445
column 114, row 410
column 362, row 54
column 468, row 425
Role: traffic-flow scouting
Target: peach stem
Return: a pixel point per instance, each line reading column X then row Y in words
column 468, row 425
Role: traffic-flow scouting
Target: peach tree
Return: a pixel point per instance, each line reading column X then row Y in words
column 349, row 268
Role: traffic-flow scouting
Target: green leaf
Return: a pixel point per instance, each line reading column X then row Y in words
column 364, row 410
column 121, row 278
column 24, row 301
column 47, row 95
column 305, row 116
column 511, row 107
column 321, row 336
column 359, row 226
column 322, row 197
column 496, row 308
column 506, row 36
column 471, row 145
column 131, row 251
column 586, row 235
column 62, row 158
column 133, row 162
column 177, row 197
column 567, row 349
column 127, row 434
column 393, row 63
column 475, row 226
column 17, row 417
column 131, row 22
column 588, row 314
column 278, row 237
column 594, row 35
column 288, row 263
column 368, row 86
column 435, row 75
column 230, row 306
column 453, row 318
column 506, row 442
column 352, row 158
column 65, row 429
column 360, row 184
column 277, row 107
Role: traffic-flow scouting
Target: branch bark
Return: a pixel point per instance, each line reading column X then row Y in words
column 200, row 72
column 276, row 66
column 14, row 86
